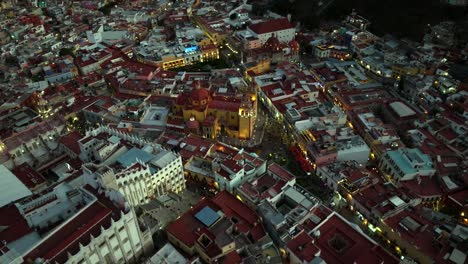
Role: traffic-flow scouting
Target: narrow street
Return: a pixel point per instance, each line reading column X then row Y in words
column 258, row 133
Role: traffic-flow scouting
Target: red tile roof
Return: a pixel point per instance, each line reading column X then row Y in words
column 326, row 75
column 303, row 248
column 232, row 165
column 223, row 105
column 429, row 187
column 28, row 176
column 78, row 230
column 70, row 141
column 460, row 198
column 232, row 258
column 448, row 134
column 208, row 47
column 257, row 232
column 271, row 26
column 356, row 247
column 182, row 99
column 86, row 139
column 188, row 228
column 195, row 146
column 16, row 225
column 321, row 212
column 226, row 149
column 262, row 188
column 233, row 207
column 32, row 132
column 421, row 238
column 199, row 94
column 372, row 195
column 82, row 102
column 280, row 172
column 357, row 97
column 452, row 117
column 256, row 161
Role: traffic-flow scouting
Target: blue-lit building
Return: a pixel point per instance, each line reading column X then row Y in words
column 190, row 48
column 406, row 164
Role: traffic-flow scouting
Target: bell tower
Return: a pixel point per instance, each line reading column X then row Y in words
column 247, row 116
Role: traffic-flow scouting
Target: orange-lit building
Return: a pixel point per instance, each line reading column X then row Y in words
column 209, row 52
column 210, row 114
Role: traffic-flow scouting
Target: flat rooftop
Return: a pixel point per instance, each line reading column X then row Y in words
column 401, row 109
column 11, row 188
column 155, row 115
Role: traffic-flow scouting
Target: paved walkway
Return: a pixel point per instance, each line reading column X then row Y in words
column 171, row 210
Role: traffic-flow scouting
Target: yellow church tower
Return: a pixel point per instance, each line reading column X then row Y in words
column 247, row 116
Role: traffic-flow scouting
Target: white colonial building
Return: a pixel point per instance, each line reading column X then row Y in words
column 67, row 225
column 280, row 28
column 140, row 170
column 32, row 145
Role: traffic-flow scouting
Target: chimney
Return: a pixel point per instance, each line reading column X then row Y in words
column 317, row 234
column 289, row 17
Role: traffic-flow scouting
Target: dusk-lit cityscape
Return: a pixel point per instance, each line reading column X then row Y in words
column 234, row 131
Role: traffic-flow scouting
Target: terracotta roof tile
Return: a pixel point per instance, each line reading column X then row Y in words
column 271, row 26
column 71, row 141
column 78, row 230
column 28, row 176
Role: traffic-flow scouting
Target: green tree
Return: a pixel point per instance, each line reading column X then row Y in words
column 401, row 84
column 258, row 10
column 308, row 49
column 37, row 78
column 11, row 60
column 106, row 9
column 66, row 51
column 233, row 16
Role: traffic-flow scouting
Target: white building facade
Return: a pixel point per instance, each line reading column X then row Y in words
column 146, row 172
column 280, row 28
column 122, row 242
column 68, row 225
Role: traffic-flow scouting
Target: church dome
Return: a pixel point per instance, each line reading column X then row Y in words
column 199, row 94
column 272, row 44
column 192, row 123
column 293, row 44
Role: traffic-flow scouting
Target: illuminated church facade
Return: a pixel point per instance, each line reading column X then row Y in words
column 210, row 114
